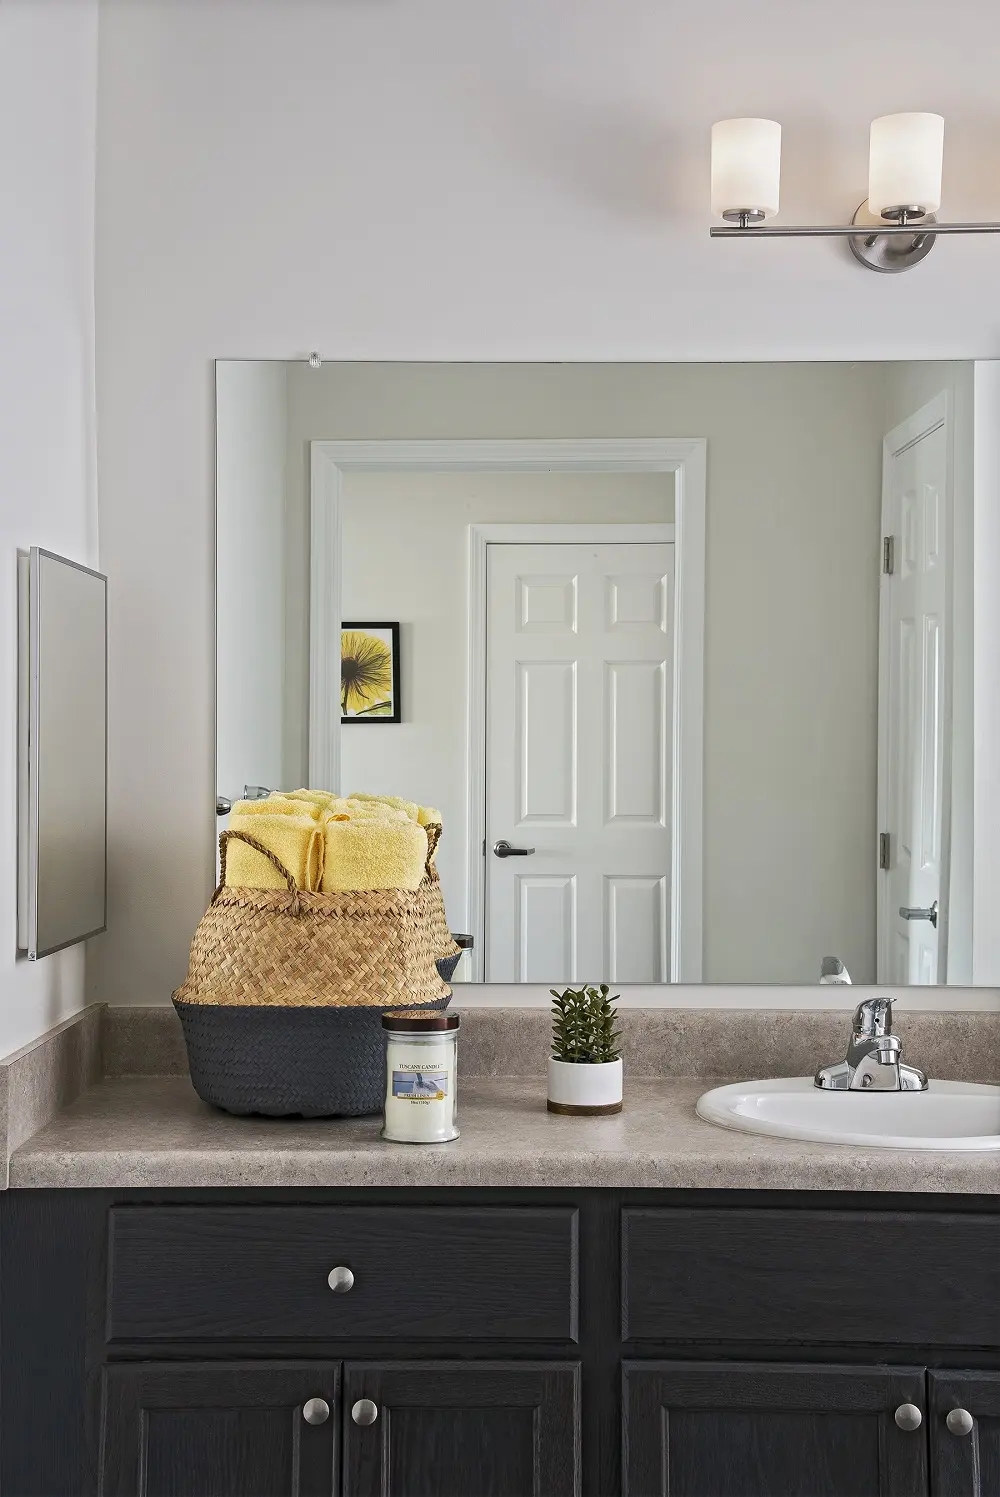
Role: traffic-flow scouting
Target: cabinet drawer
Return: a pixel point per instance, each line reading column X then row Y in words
column 866, row 1277
column 193, row 1273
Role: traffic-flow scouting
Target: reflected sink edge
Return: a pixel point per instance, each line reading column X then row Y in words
column 950, row 1117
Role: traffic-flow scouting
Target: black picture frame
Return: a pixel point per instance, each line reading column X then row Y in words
column 392, row 629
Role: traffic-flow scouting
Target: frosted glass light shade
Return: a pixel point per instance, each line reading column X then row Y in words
column 904, row 162
column 746, row 166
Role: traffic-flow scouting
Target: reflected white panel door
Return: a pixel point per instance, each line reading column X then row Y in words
column 916, row 513
column 579, row 707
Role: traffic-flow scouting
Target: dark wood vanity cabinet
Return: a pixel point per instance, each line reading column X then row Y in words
column 447, row 1429
column 217, row 1429
column 251, row 1430
column 965, row 1464
column 497, row 1344
column 755, row 1430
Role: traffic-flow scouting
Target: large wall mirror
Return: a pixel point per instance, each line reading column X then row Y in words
column 683, row 653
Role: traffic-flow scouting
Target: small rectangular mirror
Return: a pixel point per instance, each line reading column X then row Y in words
column 63, row 693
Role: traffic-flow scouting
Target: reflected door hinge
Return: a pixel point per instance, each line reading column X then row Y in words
column 883, row 850
column 888, row 555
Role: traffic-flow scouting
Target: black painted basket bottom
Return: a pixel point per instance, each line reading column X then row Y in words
column 288, row 1062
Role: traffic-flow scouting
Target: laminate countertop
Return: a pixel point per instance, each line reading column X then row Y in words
column 154, row 1131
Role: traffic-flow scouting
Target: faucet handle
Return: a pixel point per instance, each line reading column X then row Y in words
column 873, row 1018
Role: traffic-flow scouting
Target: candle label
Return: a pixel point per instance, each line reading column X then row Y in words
column 412, row 1084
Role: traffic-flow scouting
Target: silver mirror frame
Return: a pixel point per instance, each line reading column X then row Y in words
column 75, row 730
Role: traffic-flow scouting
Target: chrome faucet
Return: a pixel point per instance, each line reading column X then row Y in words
column 872, row 1062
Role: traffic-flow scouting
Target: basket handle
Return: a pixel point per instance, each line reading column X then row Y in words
column 433, row 838
column 226, row 837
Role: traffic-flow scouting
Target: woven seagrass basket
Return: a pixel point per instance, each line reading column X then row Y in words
column 285, row 991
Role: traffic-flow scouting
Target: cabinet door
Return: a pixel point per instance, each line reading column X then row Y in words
column 219, row 1430
column 462, row 1429
column 965, row 1464
column 758, row 1430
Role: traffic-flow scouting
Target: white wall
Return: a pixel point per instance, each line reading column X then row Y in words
column 48, row 69
column 250, row 579
column 446, row 180
column 48, row 62
column 526, row 180
column 405, row 549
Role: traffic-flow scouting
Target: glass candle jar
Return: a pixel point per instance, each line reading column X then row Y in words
column 421, row 1052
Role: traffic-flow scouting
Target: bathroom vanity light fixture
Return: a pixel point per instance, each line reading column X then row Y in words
column 890, row 231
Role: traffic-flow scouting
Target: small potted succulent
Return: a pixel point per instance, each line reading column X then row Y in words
column 585, row 1068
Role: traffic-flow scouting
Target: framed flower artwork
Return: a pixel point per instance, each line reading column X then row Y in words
column 369, row 673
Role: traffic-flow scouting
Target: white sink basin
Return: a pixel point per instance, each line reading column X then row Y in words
column 953, row 1115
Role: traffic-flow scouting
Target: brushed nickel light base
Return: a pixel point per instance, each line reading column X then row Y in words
column 744, row 217
column 889, row 253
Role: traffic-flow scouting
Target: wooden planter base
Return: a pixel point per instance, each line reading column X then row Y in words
column 572, row 1110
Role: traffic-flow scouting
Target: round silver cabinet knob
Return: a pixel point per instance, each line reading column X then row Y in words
column 364, row 1411
column 959, row 1422
column 340, row 1280
column 315, row 1411
column 909, row 1417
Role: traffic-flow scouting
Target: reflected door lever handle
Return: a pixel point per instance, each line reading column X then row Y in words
column 931, row 913
column 503, row 849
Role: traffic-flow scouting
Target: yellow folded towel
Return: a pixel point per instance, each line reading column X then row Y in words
column 410, row 807
column 427, row 816
column 373, row 854
column 296, row 840
column 321, row 798
column 277, row 805
column 348, row 809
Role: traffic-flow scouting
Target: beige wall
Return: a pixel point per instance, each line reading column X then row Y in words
column 794, row 474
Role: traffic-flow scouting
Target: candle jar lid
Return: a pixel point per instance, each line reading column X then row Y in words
column 406, row 1021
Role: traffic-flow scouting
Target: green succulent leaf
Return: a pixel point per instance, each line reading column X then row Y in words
column 583, row 1025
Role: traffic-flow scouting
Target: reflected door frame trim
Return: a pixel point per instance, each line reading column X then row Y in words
column 685, row 458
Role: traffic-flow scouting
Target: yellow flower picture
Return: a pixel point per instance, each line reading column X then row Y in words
column 369, row 673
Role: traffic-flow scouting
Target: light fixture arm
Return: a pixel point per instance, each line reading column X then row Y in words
column 844, row 231
column 874, row 243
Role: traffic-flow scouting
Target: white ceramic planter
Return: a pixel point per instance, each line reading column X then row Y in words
column 583, row 1090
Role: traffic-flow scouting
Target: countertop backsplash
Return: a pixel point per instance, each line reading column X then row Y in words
column 754, row 1043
